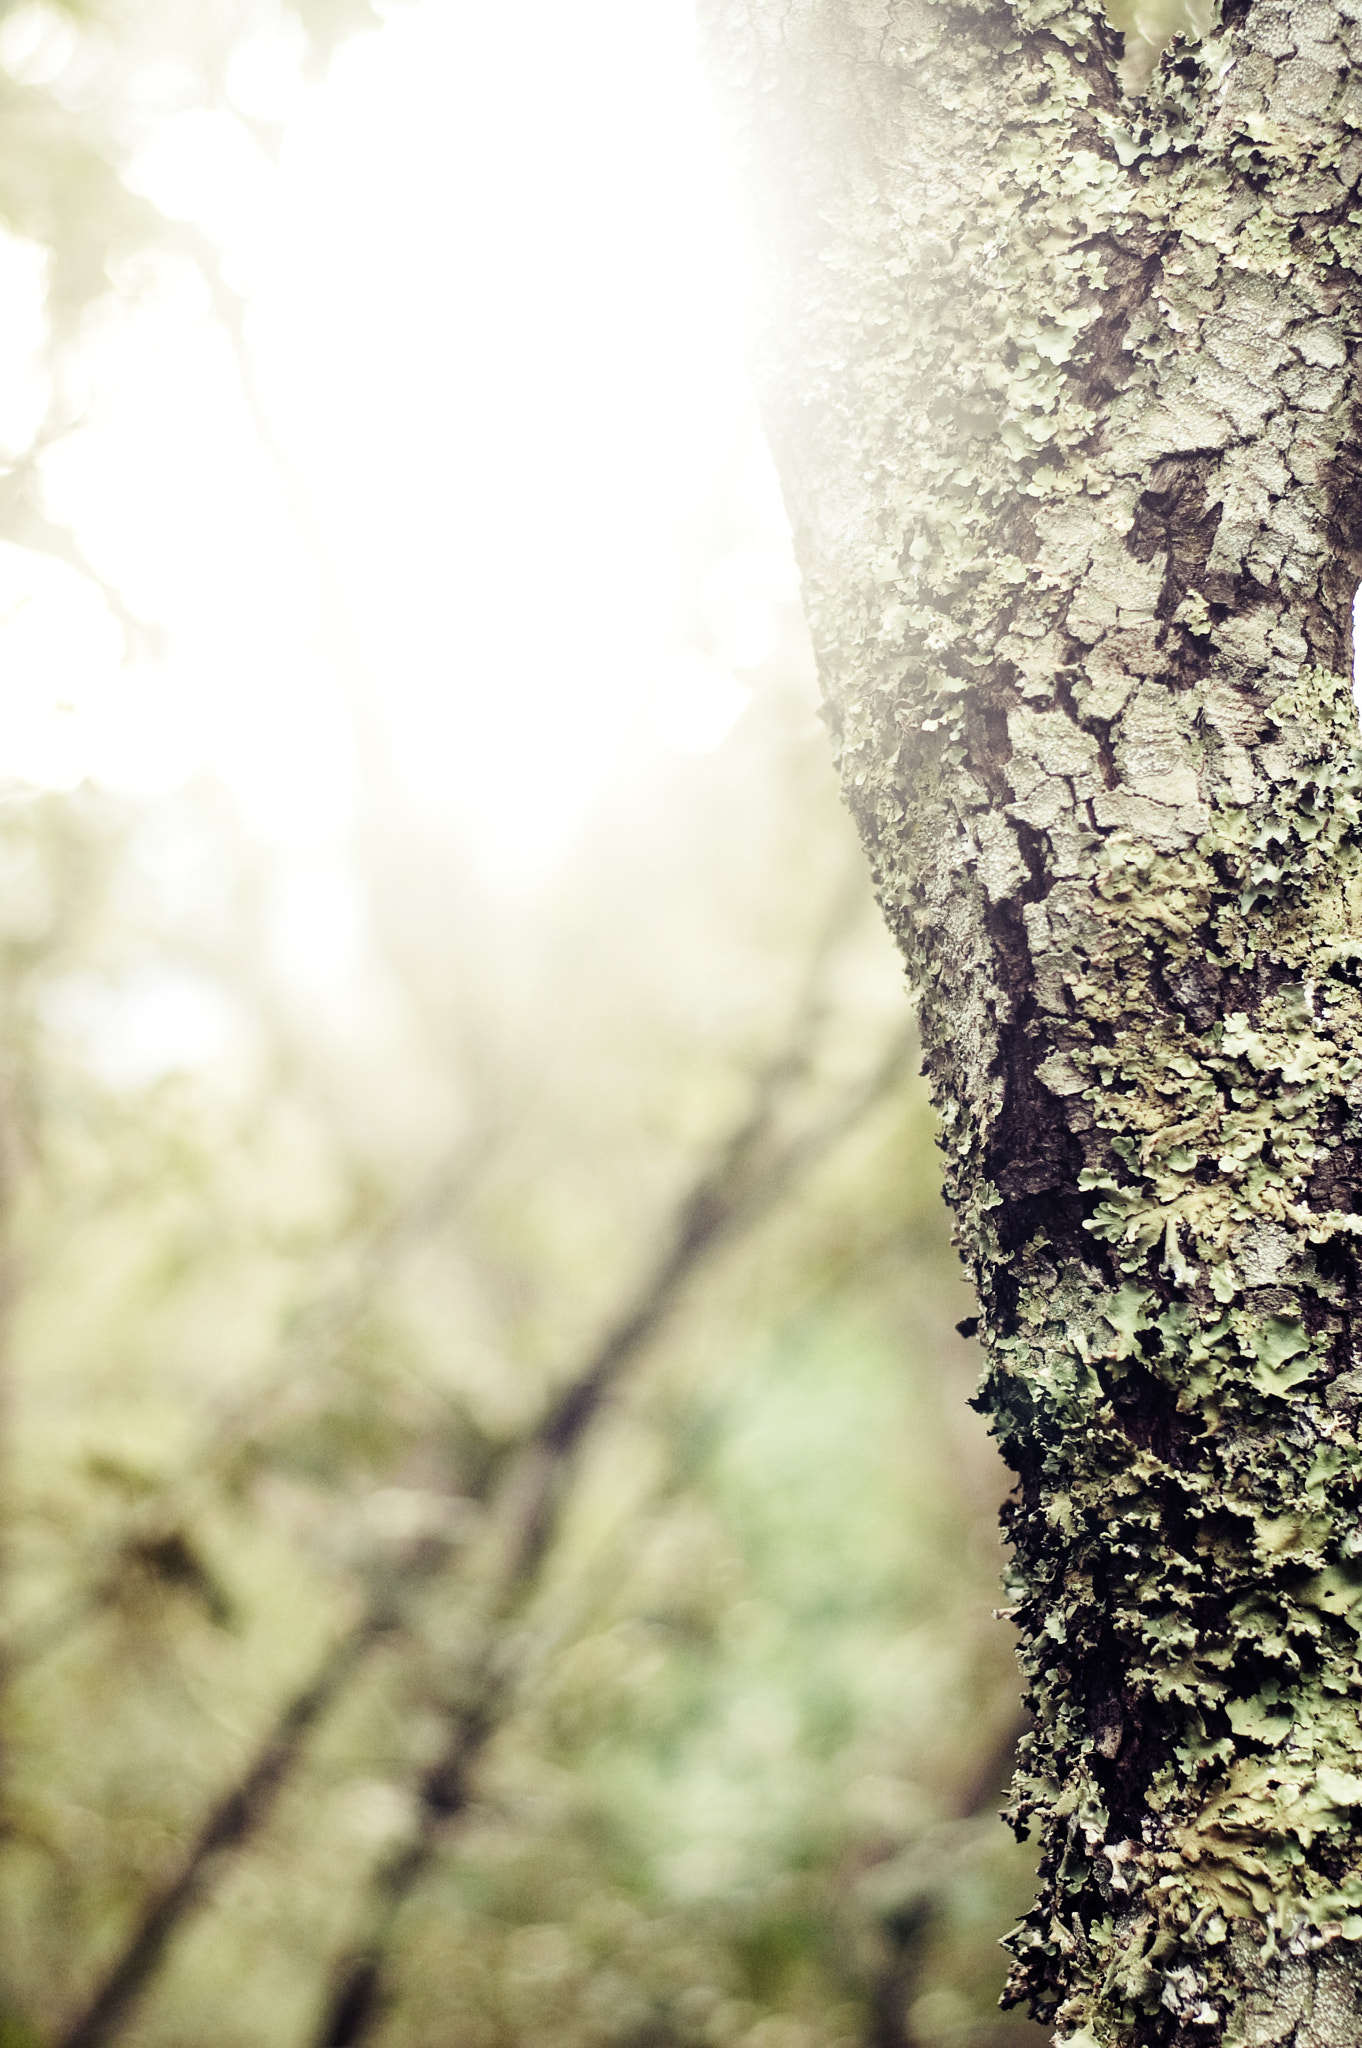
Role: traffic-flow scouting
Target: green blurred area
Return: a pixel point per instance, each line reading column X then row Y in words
column 280, row 1323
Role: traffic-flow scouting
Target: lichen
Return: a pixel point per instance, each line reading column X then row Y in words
column 1063, row 387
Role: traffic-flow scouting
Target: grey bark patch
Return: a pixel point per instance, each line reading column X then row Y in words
column 1334, row 2019
column 1263, row 1253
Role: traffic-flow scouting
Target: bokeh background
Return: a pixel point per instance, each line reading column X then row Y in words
column 494, row 1545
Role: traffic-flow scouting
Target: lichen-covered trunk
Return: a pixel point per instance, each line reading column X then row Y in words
column 1063, row 388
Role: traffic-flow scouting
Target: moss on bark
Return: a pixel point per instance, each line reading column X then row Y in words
column 1063, row 387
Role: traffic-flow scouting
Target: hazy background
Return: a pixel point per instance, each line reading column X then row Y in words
column 494, row 1549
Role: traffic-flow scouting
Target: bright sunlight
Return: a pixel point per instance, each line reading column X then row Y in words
column 394, row 501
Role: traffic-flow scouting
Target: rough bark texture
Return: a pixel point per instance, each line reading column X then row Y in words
column 1063, row 388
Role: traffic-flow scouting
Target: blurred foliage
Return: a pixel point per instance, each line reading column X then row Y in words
column 288, row 1331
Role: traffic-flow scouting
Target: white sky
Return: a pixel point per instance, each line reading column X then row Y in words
column 497, row 312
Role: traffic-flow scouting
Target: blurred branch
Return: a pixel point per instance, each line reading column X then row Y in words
column 906, row 1894
column 24, row 523
column 323, row 1335
column 732, row 1195
column 238, row 1815
column 732, row 1191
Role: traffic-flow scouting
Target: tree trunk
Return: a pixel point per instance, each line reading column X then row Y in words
column 1062, row 387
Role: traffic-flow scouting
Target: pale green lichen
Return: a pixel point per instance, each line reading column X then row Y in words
column 1063, row 386
column 1230, row 1599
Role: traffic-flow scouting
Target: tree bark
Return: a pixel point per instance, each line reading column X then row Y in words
column 1063, row 391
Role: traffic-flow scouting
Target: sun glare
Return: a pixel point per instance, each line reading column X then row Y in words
column 494, row 323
